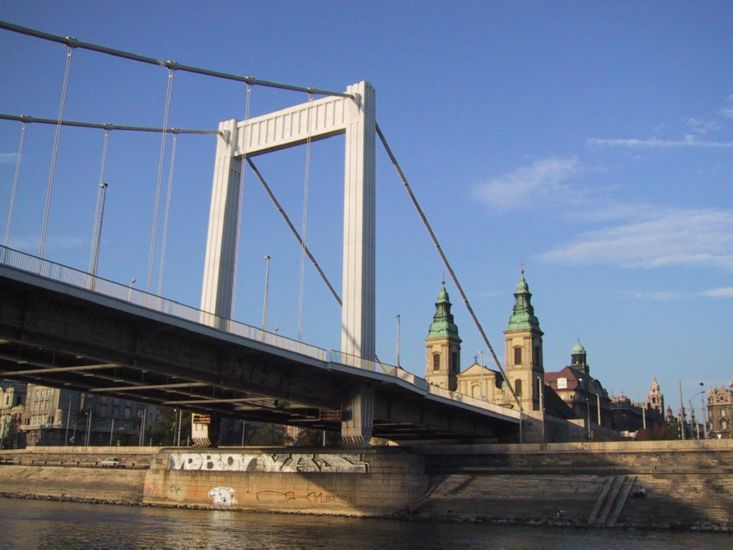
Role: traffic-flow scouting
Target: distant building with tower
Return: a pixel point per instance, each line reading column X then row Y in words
column 569, row 395
column 720, row 412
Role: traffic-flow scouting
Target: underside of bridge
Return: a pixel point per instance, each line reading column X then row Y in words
column 65, row 337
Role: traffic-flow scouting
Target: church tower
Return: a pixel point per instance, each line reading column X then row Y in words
column 443, row 346
column 655, row 398
column 579, row 358
column 523, row 349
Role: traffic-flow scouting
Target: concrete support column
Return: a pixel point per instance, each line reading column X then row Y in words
column 358, row 294
column 219, row 268
column 357, row 418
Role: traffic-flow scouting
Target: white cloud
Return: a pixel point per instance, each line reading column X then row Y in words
column 655, row 238
column 725, row 292
column 654, row 143
column 727, row 111
column 702, row 126
column 8, row 158
column 661, row 295
column 543, row 179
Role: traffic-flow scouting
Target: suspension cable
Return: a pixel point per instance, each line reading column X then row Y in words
column 99, row 213
column 159, row 182
column 104, row 125
column 166, row 213
column 294, row 231
column 74, row 43
column 304, row 230
column 447, row 264
column 55, row 150
column 240, row 204
column 16, row 176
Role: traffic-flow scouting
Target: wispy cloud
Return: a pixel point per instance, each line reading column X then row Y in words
column 657, row 296
column 655, row 143
column 655, row 238
column 701, row 125
column 724, row 292
column 727, row 111
column 543, row 179
column 8, row 158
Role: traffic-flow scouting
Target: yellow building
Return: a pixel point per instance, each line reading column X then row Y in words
column 523, row 357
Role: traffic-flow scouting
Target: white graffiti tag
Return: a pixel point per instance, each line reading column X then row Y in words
column 251, row 462
column 222, row 496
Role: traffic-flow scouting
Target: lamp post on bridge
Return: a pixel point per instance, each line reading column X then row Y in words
column 598, row 406
column 133, row 280
column 398, row 340
column 266, row 292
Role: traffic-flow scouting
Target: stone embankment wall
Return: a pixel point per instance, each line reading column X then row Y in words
column 370, row 482
column 651, row 484
column 646, row 484
column 76, row 473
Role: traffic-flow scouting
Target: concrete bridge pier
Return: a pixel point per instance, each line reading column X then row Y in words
column 357, row 419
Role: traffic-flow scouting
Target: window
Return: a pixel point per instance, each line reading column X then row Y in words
column 518, row 386
column 454, row 361
column 722, row 412
column 536, row 358
column 517, row 355
column 562, row 383
column 723, row 424
column 436, row 361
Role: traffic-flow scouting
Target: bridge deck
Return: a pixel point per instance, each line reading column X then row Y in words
column 64, row 328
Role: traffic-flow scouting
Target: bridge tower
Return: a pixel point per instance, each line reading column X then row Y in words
column 443, row 346
column 353, row 114
column 523, row 348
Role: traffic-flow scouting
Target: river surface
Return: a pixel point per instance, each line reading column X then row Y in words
column 45, row 524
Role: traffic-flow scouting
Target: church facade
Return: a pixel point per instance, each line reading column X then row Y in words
column 570, row 394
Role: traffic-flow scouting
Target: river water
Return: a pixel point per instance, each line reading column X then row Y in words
column 44, row 524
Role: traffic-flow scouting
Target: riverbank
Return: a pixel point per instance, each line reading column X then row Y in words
column 660, row 485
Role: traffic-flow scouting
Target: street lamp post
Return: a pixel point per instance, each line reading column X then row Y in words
column 701, row 393
column 398, row 339
column 704, row 410
column 133, row 280
column 598, row 405
column 540, row 383
column 587, row 408
column 481, row 376
column 682, row 413
column 267, row 292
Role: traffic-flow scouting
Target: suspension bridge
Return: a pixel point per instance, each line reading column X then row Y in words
column 64, row 327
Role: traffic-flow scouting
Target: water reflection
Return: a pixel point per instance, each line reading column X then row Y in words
column 41, row 524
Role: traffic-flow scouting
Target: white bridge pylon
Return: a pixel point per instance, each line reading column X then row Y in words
column 330, row 116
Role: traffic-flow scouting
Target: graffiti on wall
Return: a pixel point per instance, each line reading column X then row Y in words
column 273, row 463
column 222, row 496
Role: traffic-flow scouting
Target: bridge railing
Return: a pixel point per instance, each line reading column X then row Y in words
column 128, row 293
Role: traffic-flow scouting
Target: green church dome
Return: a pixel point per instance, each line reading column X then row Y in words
column 578, row 349
column 443, row 325
column 523, row 317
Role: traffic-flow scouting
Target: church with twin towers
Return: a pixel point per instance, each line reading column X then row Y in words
column 522, row 348
column 571, row 395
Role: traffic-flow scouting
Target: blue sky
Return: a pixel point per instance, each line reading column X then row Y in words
column 591, row 141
